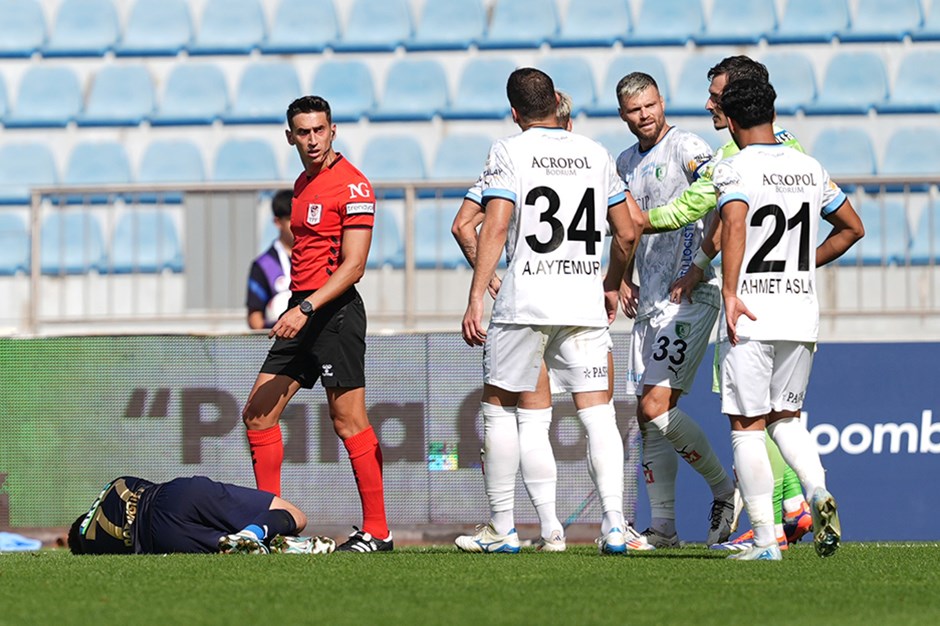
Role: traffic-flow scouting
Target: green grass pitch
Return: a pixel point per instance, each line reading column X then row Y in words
column 862, row 584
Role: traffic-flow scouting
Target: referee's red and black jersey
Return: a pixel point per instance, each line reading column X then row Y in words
column 337, row 198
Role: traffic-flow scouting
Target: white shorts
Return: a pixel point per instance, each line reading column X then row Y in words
column 667, row 348
column 576, row 357
column 758, row 377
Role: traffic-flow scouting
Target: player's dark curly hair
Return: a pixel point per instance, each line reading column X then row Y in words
column 309, row 104
column 531, row 93
column 740, row 67
column 74, row 538
column 748, row 102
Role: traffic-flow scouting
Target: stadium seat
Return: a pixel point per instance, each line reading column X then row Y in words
column 229, row 27
column 83, row 28
column 156, row 28
column 14, row 244
column 574, row 76
column 930, row 31
column 738, row 22
column 264, row 91
column 912, row 152
column 393, row 158
column 794, row 80
column 4, row 104
column 145, row 241
column 435, row 247
column 666, row 23
column 449, row 25
column 855, row 82
column 415, row 89
column 886, row 240
column 96, row 163
column 481, row 92
column 195, row 93
column 616, row 141
column 581, row 27
column 49, row 97
column 925, row 236
column 883, row 20
column 811, row 21
column 71, row 243
column 520, row 24
column 245, row 160
column 23, row 166
column 845, row 152
column 692, row 90
column 460, row 157
column 347, row 85
column 121, row 95
column 22, row 28
column 619, row 67
column 375, row 26
column 387, row 247
column 302, row 26
column 917, row 86
column 169, row 161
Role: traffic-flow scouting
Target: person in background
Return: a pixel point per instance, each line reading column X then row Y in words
column 269, row 279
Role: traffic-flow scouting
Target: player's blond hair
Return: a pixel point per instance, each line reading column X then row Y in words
column 633, row 84
column 563, row 112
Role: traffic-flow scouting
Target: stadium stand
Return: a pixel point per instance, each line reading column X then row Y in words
column 169, row 161
column 376, row 26
column 925, row 237
column 347, row 85
column 930, row 31
column 83, row 28
column 49, row 97
column 264, row 91
column 912, row 151
column 194, row 94
column 667, row 23
column 794, row 80
column 616, row 141
column 392, row 158
column 619, row 67
column 573, row 75
column 460, row 157
column 845, row 152
column 581, row 29
column 3, row 99
column 738, row 22
column 244, row 160
column 14, row 244
column 388, row 249
column 156, row 28
column 521, row 24
column 229, row 27
column 811, row 21
column 120, row 95
column 883, row 20
column 886, row 240
column 415, row 90
column 435, row 247
column 916, row 86
column 22, row 166
column 448, row 25
column 302, row 26
column 71, row 243
column 145, row 241
column 855, row 83
column 22, row 28
column 96, row 163
column 692, row 90
column 481, row 92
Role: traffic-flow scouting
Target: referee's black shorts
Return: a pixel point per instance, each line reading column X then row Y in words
column 330, row 347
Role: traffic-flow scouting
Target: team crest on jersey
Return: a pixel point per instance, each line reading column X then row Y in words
column 660, row 172
column 683, row 329
column 313, row 214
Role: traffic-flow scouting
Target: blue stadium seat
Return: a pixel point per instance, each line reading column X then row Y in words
column 884, row 20
column 376, row 26
column 583, row 28
column 229, row 27
column 393, row 158
column 855, row 82
column 574, row 76
column 692, row 90
column 886, row 240
column 811, row 21
column 14, row 244
column 96, row 163
column 302, row 26
column 195, row 93
column 415, row 89
column 930, row 31
column 156, row 28
column 521, row 24
column 925, row 237
column 667, row 23
column 22, row 28
column 912, row 152
column 245, row 160
column 449, row 25
column 616, row 141
column 388, row 248
column 121, row 95
column 917, row 86
column 4, row 106
column 71, row 243
column 49, row 97
column 461, row 157
column 845, row 152
column 347, row 85
column 435, row 247
column 794, row 80
column 481, row 92
column 22, row 166
column 83, row 28
column 739, row 22
column 619, row 67
column 264, row 91
column 145, row 241
column 169, row 161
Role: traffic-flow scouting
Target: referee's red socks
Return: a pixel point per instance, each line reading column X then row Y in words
column 267, row 455
column 366, row 458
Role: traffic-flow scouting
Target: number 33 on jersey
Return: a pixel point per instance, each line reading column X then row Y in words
column 561, row 185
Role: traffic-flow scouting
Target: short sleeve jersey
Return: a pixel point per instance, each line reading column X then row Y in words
column 656, row 177
column 561, row 185
column 338, row 198
column 106, row 529
column 786, row 193
column 269, row 283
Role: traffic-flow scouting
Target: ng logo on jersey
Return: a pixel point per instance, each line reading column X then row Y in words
column 358, row 190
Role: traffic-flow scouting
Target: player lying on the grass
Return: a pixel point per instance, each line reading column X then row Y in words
column 135, row 516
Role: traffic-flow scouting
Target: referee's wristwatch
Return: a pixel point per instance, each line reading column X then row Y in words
column 306, row 308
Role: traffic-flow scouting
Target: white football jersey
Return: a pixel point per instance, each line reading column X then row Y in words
column 786, row 194
column 654, row 178
column 561, row 185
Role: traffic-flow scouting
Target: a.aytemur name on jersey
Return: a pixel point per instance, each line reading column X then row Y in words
column 560, row 163
column 566, row 267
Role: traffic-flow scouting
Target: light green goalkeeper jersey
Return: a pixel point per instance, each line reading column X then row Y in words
column 699, row 198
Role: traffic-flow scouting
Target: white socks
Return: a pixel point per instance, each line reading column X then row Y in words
column 799, row 451
column 539, row 472
column 756, row 481
column 689, row 440
column 605, row 454
column 500, row 463
column 660, row 466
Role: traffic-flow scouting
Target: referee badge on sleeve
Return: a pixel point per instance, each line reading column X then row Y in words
column 313, row 214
